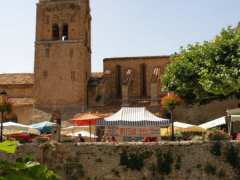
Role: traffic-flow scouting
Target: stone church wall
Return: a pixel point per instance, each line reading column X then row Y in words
column 18, row 91
column 135, row 63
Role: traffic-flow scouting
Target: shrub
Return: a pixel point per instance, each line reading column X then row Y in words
column 164, row 162
column 218, row 135
column 178, row 163
column 25, row 168
column 216, row 149
column 232, row 156
column 133, row 161
column 210, row 169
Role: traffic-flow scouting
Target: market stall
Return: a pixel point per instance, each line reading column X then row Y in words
column 214, row 123
column 44, row 127
column 86, row 119
column 233, row 121
column 178, row 127
column 133, row 124
column 20, row 132
column 16, row 128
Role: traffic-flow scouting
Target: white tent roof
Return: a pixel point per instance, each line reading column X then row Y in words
column 182, row 125
column 211, row 124
column 83, row 133
column 234, row 111
column 14, row 128
column 137, row 116
column 235, row 118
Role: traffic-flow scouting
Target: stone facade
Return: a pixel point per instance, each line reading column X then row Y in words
column 17, row 85
column 62, row 54
column 142, row 70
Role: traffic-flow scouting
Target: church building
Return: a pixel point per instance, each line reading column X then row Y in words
column 62, row 77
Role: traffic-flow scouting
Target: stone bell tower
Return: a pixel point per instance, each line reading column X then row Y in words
column 62, row 54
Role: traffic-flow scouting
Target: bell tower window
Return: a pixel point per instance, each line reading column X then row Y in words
column 65, row 32
column 55, row 32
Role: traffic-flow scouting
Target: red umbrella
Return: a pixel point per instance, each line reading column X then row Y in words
column 22, row 136
column 85, row 119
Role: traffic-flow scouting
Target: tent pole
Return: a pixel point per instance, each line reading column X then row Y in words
column 90, row 130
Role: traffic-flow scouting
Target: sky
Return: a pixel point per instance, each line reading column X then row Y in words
column 120, row 28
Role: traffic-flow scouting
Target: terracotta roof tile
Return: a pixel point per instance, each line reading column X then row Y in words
column 16, row 79
column 137, row 58
column 21, row 101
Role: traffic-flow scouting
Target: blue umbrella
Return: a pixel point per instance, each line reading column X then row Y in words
column 44, row 127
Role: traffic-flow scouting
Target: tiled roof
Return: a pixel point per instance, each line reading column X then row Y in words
column 16, row 79
column 137, row 58
column 21, row 101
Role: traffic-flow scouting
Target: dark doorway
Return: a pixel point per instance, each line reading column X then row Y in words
column 55, row 32
column 65, row 32
column 118, row 81
column 143, row 81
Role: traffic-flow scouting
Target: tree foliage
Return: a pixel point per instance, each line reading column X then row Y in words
column 170, row 101
column 25, row 169
column 206, row 71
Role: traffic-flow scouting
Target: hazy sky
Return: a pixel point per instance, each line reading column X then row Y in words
column 120, row 28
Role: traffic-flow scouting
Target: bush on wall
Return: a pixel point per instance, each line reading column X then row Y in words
column 164, row 162
column 133, row 161
column 218, row 135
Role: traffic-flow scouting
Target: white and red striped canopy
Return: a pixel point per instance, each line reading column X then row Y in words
column 134, row 117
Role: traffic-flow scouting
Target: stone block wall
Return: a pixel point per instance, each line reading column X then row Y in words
column 197, row 114
column 176, row 161
column 18, row 91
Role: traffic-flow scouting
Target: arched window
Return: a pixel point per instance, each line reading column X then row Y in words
column 65, row 32
column 118, row 80
column 128, row 76
column 55, row 32
column 156, row 74
column 143, row 80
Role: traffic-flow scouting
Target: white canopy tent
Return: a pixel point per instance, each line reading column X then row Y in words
column 182, row 125
column 214, row 123
column 15, row 128
column 83, row 133
column 134, row 117
column 233, row 115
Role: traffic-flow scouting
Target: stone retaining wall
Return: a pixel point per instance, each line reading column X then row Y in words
column 178, row 161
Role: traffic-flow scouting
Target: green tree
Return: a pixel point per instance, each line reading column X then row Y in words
column 206, row 71
column 25, row 169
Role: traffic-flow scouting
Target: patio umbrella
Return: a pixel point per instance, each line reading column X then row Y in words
column 83, row 133
column 73, row 129
column 15, row 128
column 86, row 119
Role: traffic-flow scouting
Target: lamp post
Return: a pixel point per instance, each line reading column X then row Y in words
column 3, row 109
column 172, row 120
column 56, row 118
